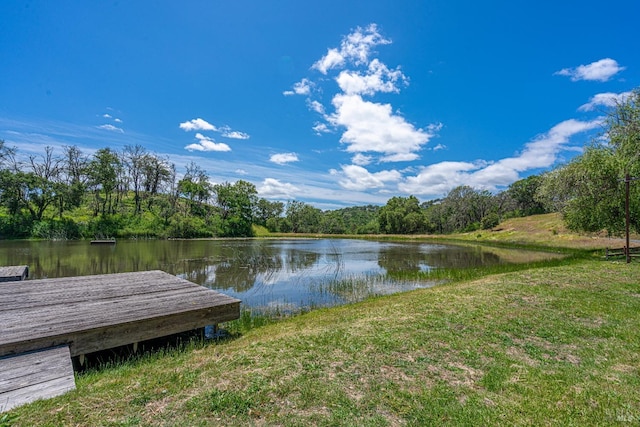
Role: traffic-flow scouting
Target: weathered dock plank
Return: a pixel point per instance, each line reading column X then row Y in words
column 14, row 273
column 93, row 313
column 35, row 375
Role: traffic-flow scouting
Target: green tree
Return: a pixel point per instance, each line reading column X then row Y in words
column 74, row 170
column 236, row 203
column 157, row 174
column 333, row 222
column 523, row 193
column 402, row 215
column 104, row 171
column 32, row 191
column 302, row 217
column 134, row 158
column 195, row 186
column 265, row 210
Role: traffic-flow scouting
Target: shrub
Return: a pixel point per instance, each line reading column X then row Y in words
column 490, row 221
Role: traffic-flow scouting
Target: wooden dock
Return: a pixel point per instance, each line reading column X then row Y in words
column 103, row 242
column 14, row 273
column 93, row 313
column 35, row 375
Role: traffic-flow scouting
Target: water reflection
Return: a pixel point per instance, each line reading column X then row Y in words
column 263, row 273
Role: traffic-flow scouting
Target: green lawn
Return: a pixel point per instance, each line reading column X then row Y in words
column 546, row 346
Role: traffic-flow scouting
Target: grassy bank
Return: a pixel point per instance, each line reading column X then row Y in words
column 536, row 231
column 545, row 346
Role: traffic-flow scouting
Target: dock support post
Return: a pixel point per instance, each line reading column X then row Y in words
column 81, row 359
column 135, row 347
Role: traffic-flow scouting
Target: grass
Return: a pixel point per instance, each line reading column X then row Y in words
column 542, row 230
column 557, row 345
column 546, row 344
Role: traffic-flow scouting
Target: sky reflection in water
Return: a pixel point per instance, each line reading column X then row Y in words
column 282, row 274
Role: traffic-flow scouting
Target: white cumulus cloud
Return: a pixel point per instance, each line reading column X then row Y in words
column 377, row 78
column 207, row 144
column 601, row 71
column 303, row 87
column 197, row 124
column 357, row 178
column 320, row 128
column 374, row 128
column 438, row 179
column 316, row 106
column 361, row 159
column 355, row 48
column 272, row 188
column 368, row 127
column 284, row 158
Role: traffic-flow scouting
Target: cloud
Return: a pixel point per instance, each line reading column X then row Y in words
column 372, row 127
column 271, row 188
column 332, row 59
column 377, row 78
column 367, row 126
column 284, row 158
column 361, row 159
column 234, row 134
column 303, row 87
column 320, row 128
column 316, row 106
column 357, row 178
column 197, row 124
column 354, row 48
column 542, row 152
column 438, row 179
column 111, row 128
column 110, row 117
column 601, row 71
column 207, row 144
column 200, row 124
column 607, row 99
column 241, row 172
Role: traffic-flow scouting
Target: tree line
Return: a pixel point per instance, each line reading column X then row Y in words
column 136, row 193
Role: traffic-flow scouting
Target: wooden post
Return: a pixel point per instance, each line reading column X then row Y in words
column 627, row 180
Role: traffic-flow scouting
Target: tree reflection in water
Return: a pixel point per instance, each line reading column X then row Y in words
column 296, row 273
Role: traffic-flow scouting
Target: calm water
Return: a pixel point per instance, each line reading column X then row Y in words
column 265, row 274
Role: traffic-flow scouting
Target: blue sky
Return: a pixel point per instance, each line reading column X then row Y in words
column 334, row 103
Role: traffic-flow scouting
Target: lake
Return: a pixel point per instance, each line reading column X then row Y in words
column 285, row 275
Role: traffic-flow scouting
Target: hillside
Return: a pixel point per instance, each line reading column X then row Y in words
column 544, row 230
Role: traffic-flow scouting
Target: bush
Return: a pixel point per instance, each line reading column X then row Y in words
column 15, row 227
column 188, row 228
column 64, row 229
column 490, row 221
column 104, row 226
